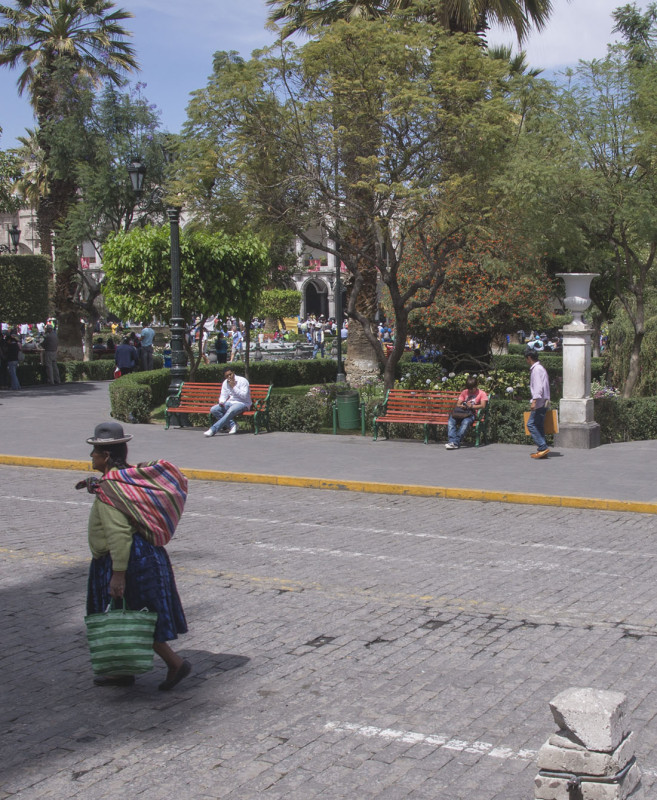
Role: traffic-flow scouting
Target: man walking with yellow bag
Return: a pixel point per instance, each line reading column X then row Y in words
column 539, row 389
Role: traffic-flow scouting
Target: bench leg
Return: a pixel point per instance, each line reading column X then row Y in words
column 426, row 433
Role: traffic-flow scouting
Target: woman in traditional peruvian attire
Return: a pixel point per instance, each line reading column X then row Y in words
column 134, row 515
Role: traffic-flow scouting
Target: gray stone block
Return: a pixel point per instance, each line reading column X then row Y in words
column 578, row 436
column 557, row 788
column 562, row 753
column 595, row 718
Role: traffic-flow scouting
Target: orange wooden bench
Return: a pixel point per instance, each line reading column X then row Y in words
column 198, row 398
column 422, row 407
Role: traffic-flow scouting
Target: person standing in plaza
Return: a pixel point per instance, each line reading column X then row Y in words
column 236, row 349
column 319, row 338
column 50, row 344
column 539, row 389
column 147, row 336
column 126, row 357
column 127, row 563
column 13, row 357
column 221, row 348
column 235, row 397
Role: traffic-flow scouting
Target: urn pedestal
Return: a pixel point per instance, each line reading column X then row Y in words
column 577, row 428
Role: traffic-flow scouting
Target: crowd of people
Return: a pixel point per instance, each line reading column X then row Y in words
column 18, row 340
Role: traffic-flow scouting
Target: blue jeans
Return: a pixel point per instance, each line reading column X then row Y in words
column 226, row 412
column 456, row 436
column 318, row 346
column 536, row 426
column 12, row 366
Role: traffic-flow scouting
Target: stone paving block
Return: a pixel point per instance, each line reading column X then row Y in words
column 562, row 753
column 598, row 719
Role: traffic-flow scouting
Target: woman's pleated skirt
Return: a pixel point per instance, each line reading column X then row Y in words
column 149, row 583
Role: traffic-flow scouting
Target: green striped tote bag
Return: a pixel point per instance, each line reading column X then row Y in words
column 121, row 641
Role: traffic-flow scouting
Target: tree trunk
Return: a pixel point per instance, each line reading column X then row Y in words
column 69, row 327
column 247, row 348
column 361, row 362
column 89, row 340
column 401, row 329
column 635, row 366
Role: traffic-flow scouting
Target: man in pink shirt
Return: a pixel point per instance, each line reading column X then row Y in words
column 473, row 399
column 539, row 389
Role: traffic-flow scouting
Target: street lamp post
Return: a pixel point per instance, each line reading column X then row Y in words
column 340, row 377
column 14, row 237
column 177, row 323
column 137, row 172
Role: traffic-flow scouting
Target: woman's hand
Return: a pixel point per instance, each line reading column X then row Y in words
column 117, row 585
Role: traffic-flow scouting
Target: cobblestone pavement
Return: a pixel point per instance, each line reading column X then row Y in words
column 344, row 646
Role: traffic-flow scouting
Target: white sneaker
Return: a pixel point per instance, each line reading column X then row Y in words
column 233, row 428
column 209, row 432
column 451, row 446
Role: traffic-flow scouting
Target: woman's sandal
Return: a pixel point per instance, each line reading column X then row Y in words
column 183, row 671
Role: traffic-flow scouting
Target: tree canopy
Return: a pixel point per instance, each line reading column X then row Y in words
column 219, row 274
column 377, row 129
column 583, row 178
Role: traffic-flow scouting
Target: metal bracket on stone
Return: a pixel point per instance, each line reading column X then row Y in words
column 575, row 781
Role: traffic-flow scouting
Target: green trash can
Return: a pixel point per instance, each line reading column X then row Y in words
column 348, row 410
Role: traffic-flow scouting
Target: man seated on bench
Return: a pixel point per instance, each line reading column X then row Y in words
column 235, row 397
column 470, row 400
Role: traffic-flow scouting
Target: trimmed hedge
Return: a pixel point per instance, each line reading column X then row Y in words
column 25, row 282
column 133, row 396
column 280, row 373
column 624, row 420
column 32, row 372
column 300, row 414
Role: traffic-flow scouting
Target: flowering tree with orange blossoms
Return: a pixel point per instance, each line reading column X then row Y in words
column 489, row 288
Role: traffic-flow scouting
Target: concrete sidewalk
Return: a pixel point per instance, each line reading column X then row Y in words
column 40, row 424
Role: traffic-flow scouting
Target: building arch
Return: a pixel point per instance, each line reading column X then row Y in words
column 315, row 295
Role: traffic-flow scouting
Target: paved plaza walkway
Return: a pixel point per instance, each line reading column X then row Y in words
column 346, row 644
column 53, row 423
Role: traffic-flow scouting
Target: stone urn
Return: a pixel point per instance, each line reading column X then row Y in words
column 577, row 300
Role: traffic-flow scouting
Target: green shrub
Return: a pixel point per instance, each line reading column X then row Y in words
column 506, row 421
column 623, row 420
column 32, row 373
column 129, row 393
column 25, row 282
column 130, row 401
column 552, row 362
column 278, row 373
column 300, row 414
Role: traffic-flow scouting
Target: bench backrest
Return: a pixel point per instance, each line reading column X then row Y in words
column 209, row 392
column 420, row 401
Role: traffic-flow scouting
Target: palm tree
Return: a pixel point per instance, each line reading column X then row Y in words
column 63, row 47
column 465, row 16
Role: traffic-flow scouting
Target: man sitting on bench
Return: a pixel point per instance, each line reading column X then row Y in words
column 235, row 397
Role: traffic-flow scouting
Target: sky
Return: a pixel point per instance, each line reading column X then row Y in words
column 175, row 42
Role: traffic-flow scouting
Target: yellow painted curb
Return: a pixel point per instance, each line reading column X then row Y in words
column 371, row 487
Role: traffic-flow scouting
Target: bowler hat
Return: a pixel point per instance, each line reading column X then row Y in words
column 109, row 433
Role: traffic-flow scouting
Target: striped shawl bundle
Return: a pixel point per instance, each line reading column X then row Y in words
column 152, row 495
